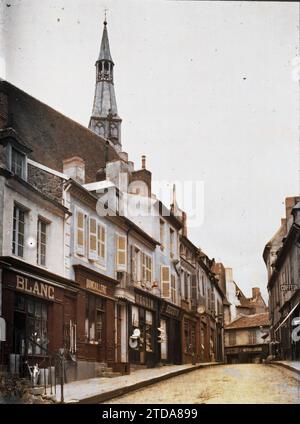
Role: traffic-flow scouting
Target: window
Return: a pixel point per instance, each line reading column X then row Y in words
column 136, row 263
column 149, row 331
column 18, row 163
column 94, row 319
column 134, row 316
column 186, row 285
column 30, row 326
column 171, row 243
column 232, row 338
column 101, row 242
column 165, row 281
column 121, row 252
column 173, row 288
column 252, row 337
column 93, row 234
column 18, row 231
column 80, row 232
column 41, row 242
column 162, row 234
column 146, row 268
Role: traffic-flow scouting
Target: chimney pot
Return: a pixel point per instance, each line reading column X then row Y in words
column 143, row 162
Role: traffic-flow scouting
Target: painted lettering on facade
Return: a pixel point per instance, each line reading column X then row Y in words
column 96, row 287
column 35, row 288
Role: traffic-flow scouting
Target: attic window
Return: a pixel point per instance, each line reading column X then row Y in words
column 18, row 163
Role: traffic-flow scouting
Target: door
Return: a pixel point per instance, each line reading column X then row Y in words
column 164, row 340
column 119, row 331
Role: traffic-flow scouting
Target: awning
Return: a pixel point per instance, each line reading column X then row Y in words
column 289, row 314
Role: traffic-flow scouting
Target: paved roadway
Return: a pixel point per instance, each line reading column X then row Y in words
column 242, row 383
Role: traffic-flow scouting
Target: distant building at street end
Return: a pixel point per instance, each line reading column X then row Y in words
column 247, row 339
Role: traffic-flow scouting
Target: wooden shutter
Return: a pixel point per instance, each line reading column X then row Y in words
column 165, row 281
column 143, row 267
column 93, row 239
column 101, row 242
column 121, row 252
column 80, row 232
column 173, row 288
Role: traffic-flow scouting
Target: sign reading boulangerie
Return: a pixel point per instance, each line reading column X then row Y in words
column 34, row 287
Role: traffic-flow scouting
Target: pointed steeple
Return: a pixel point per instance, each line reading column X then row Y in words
column 105, row 120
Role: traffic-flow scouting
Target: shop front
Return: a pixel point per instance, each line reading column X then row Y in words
column 39, row 313
column 96, row 316
column 190, row 342
column 143, row 330
column 246, row 354
column 170, row 345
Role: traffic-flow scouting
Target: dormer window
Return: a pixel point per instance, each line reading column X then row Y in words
column 18, row 163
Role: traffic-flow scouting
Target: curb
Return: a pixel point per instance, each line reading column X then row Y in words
column 287, row 367
column 102, row 397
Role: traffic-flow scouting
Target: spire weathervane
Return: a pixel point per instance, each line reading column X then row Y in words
column 105, row 21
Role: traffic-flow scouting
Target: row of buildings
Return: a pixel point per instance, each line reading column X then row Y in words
column 282, row 258
column 91, row 261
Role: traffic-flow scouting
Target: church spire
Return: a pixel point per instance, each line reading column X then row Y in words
column 105, row 120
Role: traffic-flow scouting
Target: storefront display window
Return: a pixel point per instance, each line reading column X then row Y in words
column 189, row 336
column 149, row 331
column 94, row 319
column 30, row 326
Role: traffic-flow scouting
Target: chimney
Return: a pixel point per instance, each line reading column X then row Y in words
column 255, row 292
column 143, row 162
column 75, row 168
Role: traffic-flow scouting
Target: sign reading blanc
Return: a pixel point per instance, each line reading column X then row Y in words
column 35, row 288
column 96, row 287
column 288, row 287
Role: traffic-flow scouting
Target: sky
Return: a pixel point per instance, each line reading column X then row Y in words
column 208, row 91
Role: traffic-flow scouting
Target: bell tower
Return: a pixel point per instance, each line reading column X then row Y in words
column 105, row 120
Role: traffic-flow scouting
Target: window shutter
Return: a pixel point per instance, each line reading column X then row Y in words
column 121, row 252
column 80, row 232
column 101, row 242
column 93, row 239
column 165, row 281
column 132, row 263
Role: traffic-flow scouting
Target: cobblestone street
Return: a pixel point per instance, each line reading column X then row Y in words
column 243, row 383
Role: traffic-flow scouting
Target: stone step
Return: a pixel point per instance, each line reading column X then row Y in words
column 111, row 374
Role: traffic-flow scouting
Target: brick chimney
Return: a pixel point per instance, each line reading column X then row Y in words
column 255, row 292
column 143, row 162
column 75, row 168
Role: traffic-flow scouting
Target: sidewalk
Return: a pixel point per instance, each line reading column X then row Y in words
column 293, row 366
column 96, row 390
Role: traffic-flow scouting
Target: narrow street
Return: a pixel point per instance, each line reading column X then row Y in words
column 242, row 383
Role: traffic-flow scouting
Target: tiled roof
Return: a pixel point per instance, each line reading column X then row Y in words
column 247, row 321
column 52, row 136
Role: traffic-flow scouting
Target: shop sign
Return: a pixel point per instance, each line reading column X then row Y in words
column 171, row 311
column 35, row 288
column 244, row 350
column 96, row 287
column 144, row 301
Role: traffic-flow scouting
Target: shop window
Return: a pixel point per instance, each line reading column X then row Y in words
column 189, row 337
column 94, row 319
column 41, row 242
column 18, row 231
column 30, row 326
column 149, row 331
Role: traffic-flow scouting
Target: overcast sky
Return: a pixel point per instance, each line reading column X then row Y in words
column 205, row 90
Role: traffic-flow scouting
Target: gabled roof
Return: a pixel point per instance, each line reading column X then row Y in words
column 249, row 321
